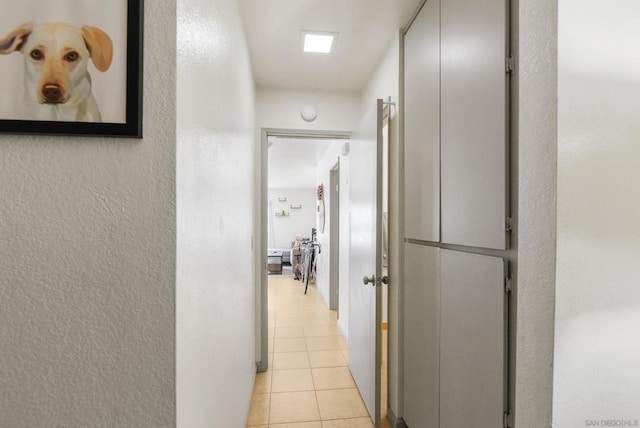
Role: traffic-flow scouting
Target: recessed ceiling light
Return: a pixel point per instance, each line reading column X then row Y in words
column 318, row 42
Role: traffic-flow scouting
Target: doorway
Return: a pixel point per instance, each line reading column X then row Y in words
column 263, row 224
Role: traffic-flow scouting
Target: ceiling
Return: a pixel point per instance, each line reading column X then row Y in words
column 366, row 29
column 293, row 161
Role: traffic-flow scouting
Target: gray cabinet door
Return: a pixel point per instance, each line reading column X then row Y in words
column 472, row 340
column 421, row 335
column 474, row 122
column 422, row 124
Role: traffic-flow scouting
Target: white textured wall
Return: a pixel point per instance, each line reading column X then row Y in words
column 87, row 333
column 345, row 244
column 597, row 351
column 299, row 222
column 535, row 127
column 215, row 193
column 384, row 83
column 281, row 109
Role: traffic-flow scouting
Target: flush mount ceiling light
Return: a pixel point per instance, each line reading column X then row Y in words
column 318, row 42
column 308, row 113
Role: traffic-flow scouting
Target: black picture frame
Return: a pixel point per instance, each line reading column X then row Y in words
column 132, row 127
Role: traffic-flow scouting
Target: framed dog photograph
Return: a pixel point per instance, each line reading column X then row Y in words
column 71, row 67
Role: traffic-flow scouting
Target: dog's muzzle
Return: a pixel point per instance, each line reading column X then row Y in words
column 52, row 94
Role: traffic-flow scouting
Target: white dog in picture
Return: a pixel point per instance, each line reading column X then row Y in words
column 57, row 84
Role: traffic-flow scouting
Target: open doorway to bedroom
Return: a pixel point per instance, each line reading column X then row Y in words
column 300, row 195
column 295, row 220
column 292, row 216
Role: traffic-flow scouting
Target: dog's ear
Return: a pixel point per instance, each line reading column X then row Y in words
column 15, row 39
column 100, row 46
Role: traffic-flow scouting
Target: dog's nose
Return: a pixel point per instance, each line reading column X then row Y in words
column 52, row 93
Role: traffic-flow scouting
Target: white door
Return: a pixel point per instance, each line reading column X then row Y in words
column 365, row 256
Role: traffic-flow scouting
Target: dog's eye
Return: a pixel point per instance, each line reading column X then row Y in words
column 37, row 54
column 71, row 56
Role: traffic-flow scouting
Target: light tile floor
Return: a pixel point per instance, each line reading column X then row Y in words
column 308, row 384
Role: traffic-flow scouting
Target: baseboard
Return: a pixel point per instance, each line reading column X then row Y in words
column 262, row 366
column 395, row 422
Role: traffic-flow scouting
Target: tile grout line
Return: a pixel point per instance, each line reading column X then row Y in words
column 315, row 391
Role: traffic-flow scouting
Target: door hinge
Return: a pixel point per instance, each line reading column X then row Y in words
column 506, row 419
column 509, row 64
column 345, row 149
column 508, row 224
column 507, row 284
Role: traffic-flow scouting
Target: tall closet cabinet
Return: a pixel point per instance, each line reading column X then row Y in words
column 458, row 220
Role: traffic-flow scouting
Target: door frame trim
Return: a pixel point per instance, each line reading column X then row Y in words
column 260, row 221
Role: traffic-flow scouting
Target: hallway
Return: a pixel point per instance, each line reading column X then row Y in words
column 308, row 384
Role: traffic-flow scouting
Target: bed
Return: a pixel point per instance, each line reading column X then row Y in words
column 286, row 253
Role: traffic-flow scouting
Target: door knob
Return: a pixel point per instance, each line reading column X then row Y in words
column 367, row 280
column 385, row 279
